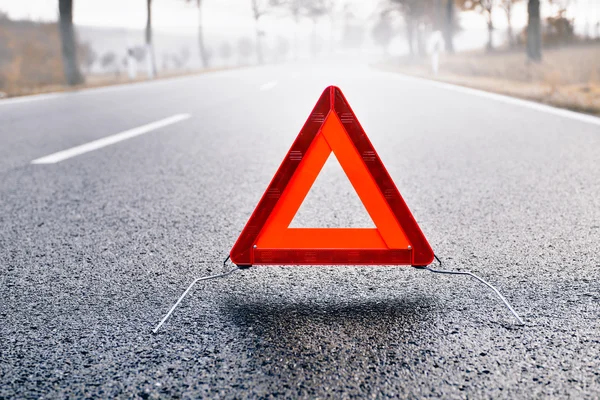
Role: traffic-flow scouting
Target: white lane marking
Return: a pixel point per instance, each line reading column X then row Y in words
column 107, row 141
column 505, row 99
column 268, row 86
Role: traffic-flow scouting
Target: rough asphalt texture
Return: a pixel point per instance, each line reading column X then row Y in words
column 95, row 249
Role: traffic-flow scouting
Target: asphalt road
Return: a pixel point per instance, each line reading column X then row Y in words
column 94, row 249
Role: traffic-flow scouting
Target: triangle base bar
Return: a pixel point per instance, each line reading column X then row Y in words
column 331, row 257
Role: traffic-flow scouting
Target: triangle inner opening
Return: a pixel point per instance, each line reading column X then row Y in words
column 329, row 200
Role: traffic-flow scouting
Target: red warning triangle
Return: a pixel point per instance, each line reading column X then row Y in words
column 267, row 238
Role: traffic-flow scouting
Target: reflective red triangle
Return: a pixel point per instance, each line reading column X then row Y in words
column 267, row 238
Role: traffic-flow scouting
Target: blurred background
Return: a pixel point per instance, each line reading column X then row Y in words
column 545, row 50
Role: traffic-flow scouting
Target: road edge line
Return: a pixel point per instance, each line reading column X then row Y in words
column 501, row 97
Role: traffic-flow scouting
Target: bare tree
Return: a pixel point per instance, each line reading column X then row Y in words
column 330, row 8
column 295, row 7
column 282, row 48
column 244, row 48
column 69, row 44
column 449, row 26
column 292, row 8
column 87, row 56
column 561, row 5
column 258, row 10
column 485, row 7
column 108, row 60
column 201, row 48
column 179, row 61
column 417, row 14
column 383, row 31
column 138, row 53
column 149, row 46
column 314, row 10
column 225, row 51
column 353, row 30
column 184, row 56
column 507, row 6
column 534, row 31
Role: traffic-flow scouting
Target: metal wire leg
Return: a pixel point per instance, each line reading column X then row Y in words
column 204, row 278
column 480, row 280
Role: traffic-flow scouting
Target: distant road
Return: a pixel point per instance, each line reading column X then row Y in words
column 114, row 199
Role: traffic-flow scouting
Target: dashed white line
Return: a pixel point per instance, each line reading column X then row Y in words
column 268, row 86
column 107, row 141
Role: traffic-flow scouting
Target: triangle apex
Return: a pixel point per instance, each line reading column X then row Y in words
column 333, row 88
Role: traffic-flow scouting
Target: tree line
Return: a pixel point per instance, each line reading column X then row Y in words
column 297, row 9
column 439, row 14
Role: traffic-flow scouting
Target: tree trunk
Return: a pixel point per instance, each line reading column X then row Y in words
column 296, row 45
column 490, row 24
column 201, row 48
column 449, row 27
column 313, row 39
column 420, row 41
column 149, row 46
column 534, row 31
column 257, row 14
column 69, row 44
column 331, row 33
column 259, row 53
column 509, row 31
column 409, row 36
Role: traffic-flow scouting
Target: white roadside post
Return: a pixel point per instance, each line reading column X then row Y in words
column 149, row 58
column 131, row 64
column 436, row 42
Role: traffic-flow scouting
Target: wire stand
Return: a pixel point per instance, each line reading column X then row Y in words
column 437, row 271
column 204, row 278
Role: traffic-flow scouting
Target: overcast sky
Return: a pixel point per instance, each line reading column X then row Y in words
column 167, row 14
column 179, row 16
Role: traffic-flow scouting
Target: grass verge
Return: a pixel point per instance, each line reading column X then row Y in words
column 95, row 81
column 567, row 78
